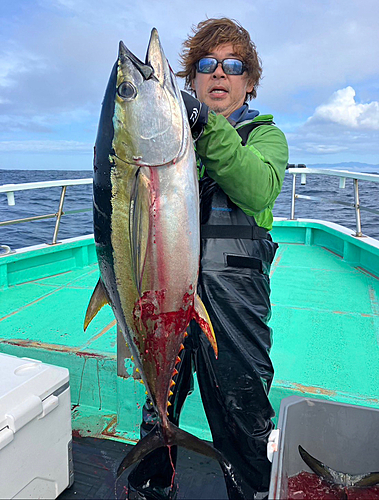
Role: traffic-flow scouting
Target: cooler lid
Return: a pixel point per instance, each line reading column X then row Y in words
column 24, row 381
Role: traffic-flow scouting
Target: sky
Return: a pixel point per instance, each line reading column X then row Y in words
column 320, row 72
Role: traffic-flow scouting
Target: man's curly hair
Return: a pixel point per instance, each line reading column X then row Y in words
column 212, row 33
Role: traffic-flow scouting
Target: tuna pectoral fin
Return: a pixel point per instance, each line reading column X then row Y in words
column 139, row 225
column 335, row 477
column 98, row 300
column 202, row 318
column 173, row 436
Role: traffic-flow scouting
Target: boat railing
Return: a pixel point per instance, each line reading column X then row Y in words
column 295, row 170
column 303, row 171
column 10, row 189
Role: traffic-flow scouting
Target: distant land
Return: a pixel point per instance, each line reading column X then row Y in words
column 353, row 166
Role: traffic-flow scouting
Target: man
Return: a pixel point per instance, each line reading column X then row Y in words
column 242, row 161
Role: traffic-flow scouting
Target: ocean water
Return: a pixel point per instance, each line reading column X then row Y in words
column 42, row 201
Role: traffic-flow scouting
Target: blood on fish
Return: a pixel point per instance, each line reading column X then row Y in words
column 163, row 329
column 173, row 467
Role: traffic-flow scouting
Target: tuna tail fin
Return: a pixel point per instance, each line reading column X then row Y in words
column 171, row 436
column 202, row 318
column 98, row 299
column 318, row 467
column 369, row 479
column 339, row 478
column 149, row 443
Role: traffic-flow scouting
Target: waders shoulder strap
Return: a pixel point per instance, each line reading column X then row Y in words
column 245, row 130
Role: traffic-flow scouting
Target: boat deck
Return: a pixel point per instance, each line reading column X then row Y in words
column 326, row 325
column 51, row 311
column 325, row 321
column 325, row 298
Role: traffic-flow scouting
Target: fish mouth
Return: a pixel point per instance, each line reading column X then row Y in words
column 155, row 67
column 145, row 69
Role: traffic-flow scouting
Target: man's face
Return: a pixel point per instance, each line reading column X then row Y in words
column 221, row 92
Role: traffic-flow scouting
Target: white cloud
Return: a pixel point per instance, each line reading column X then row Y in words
column 343, row 109
column 46, row 123
column 332, row 143
column 55, row 60
column 15, row 62
column 340, row 128
column 45, row 146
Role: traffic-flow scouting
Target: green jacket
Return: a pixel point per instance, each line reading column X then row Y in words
column 251, row 175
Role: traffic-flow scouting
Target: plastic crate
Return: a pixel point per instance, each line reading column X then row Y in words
column 343, row 436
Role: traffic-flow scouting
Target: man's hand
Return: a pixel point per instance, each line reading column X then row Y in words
column 197, row 114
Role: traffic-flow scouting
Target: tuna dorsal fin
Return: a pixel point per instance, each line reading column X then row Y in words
column 202, row 318
column 98, row 300
column 139, row 226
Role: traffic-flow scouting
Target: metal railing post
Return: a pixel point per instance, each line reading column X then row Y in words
column 59, row 215
column 292, row 217
column 357, row 209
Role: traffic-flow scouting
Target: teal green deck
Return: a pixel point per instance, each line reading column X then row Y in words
column 325, row 291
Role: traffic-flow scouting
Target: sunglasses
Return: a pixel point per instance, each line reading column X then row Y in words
column 229, row 66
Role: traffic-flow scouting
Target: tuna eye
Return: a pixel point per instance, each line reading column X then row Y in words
column 127, row 91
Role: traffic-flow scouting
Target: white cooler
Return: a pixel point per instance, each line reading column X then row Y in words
column 35, row 429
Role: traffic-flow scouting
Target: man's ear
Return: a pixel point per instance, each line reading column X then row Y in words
column 193, row 86
column 250, row 86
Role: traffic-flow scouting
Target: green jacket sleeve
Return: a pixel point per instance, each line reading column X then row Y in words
column 251, row 175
